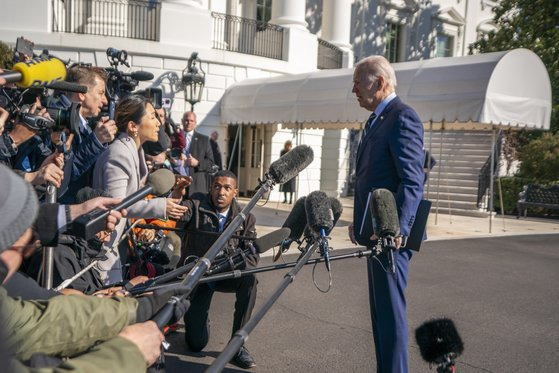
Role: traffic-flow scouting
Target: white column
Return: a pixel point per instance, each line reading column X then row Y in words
column 185, row 22
column 195, row 3
column 336, row 26
column 289, row 13
column 336, row 22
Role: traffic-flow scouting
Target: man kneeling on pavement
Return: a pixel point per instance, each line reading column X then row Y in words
column 207, row 215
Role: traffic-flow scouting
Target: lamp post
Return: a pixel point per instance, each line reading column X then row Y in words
column 193, row 80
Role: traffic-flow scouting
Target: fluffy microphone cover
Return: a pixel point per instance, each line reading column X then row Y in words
column 319, row 211
column 291, row 163
column 271, row 239
column 437, row 338
column 297, row 219
column 385, row 213
column 162, row 181
column 337, row 209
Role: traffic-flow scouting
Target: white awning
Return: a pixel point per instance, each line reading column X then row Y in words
column 504, row 88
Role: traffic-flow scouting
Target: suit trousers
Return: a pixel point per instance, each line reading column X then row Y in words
column 387, row 300
column 197, row 328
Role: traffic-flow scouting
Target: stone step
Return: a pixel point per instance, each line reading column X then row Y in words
column 459, row 205
column 444, row 196
column 444, row 210
column 459, row 162
column 462, row 157
column 451, row 174
column 453, row 188
column 468, row 144
column 459, row 150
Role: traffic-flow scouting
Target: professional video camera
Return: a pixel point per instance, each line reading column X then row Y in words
column 18, row 99
column 120, row 84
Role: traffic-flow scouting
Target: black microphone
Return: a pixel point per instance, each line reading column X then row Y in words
column 320, row 219
column 439, row 343
column 386, row 225
column 296, row 221
column 259, row 246
column 290, row 164
column 158, row 183
column 141, row 75
column 61, row 85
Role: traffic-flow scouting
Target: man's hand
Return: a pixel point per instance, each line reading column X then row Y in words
column 192, row 162
column 147, row 337
column 105, row 130
column 397, row 240
column 173, row 209
column 49, row 172
column 55, row 158
column 4, row 114
column 146, row 235
column 103, row 203
column 351, row 234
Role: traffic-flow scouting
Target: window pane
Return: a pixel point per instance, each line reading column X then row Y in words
column 392, row 42
column 444, row 46
column 263, row 10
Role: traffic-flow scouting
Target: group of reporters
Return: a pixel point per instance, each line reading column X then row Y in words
column 91, row 326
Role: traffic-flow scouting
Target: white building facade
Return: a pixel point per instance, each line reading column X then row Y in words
column 244, row 39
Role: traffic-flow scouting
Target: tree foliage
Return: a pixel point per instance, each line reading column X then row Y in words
column 6, row 55
column 531, row 24
column 540, row 158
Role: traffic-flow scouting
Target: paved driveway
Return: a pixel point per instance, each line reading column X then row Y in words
column 502, row 294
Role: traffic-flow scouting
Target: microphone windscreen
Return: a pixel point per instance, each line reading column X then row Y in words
column 319, row 212
column 40, row 71
column 385, row 213
column 161, row 181
column 141, row 75
column 291, row 163
column 271, row 239
column 437, row 338
column 67, row 86
column 337, row 209
column 296, row 220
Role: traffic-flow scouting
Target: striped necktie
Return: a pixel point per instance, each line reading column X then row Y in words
column 369, row 124
column 222, row 219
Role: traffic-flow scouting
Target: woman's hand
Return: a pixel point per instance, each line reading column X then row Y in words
column 181, row 183
column 173, row 209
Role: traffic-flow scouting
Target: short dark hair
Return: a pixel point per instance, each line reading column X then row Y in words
column 85, row 75
column 131, row 108
column 226, row 173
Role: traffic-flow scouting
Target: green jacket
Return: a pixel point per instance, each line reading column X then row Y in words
column 67, row 326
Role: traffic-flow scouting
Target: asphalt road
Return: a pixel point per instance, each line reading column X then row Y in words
column 502, row 294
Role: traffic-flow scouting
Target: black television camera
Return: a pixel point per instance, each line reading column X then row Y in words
column 121, row 85
column 17, row 101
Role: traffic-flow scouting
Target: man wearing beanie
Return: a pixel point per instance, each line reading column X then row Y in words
column 69, row 325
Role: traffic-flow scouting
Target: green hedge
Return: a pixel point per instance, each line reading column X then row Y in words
column 511, row 187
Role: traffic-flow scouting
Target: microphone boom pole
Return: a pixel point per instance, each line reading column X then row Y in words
column 285, row 168
column 48, row 251
column 242, row 334
column 240, row 273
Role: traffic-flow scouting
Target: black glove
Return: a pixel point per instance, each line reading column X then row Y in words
column 149, row 305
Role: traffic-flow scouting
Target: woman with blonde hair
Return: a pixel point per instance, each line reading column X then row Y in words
column 121, row 170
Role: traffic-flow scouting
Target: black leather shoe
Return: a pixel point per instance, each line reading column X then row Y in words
column 243, row 359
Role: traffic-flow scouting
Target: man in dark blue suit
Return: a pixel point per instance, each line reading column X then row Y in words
column 390, row 155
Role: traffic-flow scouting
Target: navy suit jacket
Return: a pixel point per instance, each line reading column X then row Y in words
column 390, row 156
